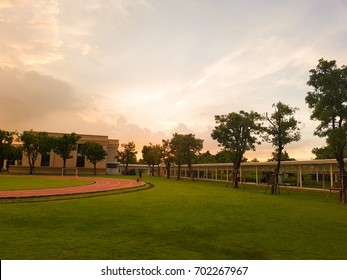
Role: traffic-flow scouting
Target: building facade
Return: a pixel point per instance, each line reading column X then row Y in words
column 78, row 164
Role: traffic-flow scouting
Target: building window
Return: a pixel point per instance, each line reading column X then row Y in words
column 80, row 162
column 45, row 159
column 111, row 165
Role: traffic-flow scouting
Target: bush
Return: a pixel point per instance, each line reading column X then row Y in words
column 129, row 172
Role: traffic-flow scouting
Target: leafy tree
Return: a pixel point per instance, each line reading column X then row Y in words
column 6, row 138
column 326, row 152
column 35, row 143
column 237, row 133
column 328, row 102
column 224, row 156
column 94, row 152
column 282, row 130
column 63, row 146
column 152, row 155
column 206, row 157
column 167, row 156
column 323, row 152
column 284, row 157
column 127, row 156
column 15, row 153
column 185, row 148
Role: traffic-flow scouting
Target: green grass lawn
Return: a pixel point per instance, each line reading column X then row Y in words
column 8, row 182
column 178, row 220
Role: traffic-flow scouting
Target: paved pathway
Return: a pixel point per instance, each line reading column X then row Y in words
column 99, row 185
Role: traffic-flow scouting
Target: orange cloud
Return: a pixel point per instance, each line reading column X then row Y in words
column 29, row 32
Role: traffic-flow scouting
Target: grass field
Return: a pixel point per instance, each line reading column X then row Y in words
column 177, row 220
column 29, row 182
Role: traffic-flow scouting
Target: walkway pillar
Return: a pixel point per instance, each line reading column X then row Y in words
column 331, row 176
column 317, row 176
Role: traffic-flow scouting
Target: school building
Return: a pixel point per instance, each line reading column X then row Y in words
column 78, row 164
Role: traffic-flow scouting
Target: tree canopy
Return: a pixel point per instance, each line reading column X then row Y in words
column 237, row 133
column 64, row 145
column 6, row 138
column 94, row 152
column 328, row 102
column 152, row 155
column 185, row 148
column 282, row 129
column 284, row 157
column 206, row 157
column 128, row 155
column 167, row 156
column 35, row 143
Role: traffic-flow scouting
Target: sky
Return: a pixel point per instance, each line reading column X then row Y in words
column 141, row 70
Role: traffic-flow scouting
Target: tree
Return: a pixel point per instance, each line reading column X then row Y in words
column 206, row 157
column 328, row 102
column 6, row 138
column 35, row 143
column 224, row 156
column 63, row 146
column 323, row 152
column 15, row 153
column 167, row 156
column 284, row 157
column 128, row 155
column 326, row 152
column 237, row 133
column 282, row 130
column 185, row 148
column 152, row 155
column 94, row 152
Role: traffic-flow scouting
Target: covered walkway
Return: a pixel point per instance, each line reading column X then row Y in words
column 321, row 171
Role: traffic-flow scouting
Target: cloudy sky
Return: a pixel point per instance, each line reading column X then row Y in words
column 140, row 70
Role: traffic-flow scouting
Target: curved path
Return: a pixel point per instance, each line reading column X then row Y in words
column 99, row 185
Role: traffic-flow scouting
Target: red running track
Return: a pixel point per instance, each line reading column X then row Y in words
column 99, row 185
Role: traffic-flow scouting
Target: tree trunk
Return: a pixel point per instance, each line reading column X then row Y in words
column 343, row 175
column 168, row 170
column 236, row 175
column 236, row 172
column 339, row 149
column 126, row 168
column 236, row 179
column 275, row 183
column 95, row 169
column 31, row 165
column 159, row 170
column 31, row 169
column 178, row 171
